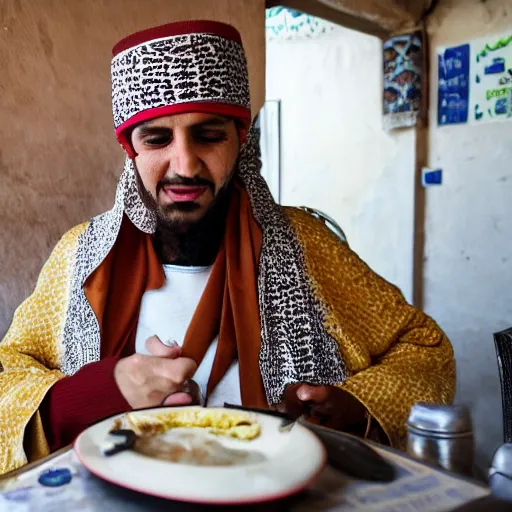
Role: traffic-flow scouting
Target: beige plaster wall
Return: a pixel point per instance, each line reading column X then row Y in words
column 59, row 160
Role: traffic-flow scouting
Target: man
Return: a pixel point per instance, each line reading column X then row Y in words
column 197, row 273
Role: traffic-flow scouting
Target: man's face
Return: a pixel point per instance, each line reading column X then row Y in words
column 183, row 162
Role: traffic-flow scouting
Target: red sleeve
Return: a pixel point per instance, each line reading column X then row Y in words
column 75, row 402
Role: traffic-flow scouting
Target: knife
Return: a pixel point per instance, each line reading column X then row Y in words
column 345, row 452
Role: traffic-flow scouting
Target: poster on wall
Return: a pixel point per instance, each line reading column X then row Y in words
column 282, row 23
column 453, row 96
column 491, row 79
column 403, row 77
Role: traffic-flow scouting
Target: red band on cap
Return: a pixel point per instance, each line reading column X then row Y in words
column 177, row 29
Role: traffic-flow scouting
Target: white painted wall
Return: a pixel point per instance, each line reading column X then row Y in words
column 337, row 158
column 469, row 227
column 335, row 155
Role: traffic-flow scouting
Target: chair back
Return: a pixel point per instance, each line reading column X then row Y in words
column 503, row 343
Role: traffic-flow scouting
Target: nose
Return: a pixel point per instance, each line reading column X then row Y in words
column 185, row 161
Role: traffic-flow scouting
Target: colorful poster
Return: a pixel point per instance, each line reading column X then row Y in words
column 453, row 97
column 403, row 77
column 491, row 79
column 282, row 23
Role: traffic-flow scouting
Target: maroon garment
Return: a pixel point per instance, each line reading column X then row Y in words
column 74, row 403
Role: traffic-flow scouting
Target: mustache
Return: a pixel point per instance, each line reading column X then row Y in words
column 187, row 182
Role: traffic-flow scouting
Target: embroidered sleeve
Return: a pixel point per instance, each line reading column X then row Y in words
column 30, row 356
column 396, row 355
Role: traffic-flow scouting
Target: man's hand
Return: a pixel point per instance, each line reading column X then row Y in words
column 150, row 381
column 331, row 405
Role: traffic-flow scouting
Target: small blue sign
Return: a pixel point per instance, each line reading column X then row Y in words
column 432, row 177
column 453, row 97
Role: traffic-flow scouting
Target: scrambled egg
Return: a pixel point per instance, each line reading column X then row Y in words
column 237, row 424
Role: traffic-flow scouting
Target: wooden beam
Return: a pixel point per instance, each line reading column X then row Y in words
column 418, row 263
column 320, row 10
column 420, row 206
column 380, row 18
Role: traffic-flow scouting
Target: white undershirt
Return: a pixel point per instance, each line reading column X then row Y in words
column 167, row 313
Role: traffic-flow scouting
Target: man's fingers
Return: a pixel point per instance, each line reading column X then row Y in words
column 315, row 394
column 157, row 348
column 290, row 403
column 176, row 370
column 305, row 399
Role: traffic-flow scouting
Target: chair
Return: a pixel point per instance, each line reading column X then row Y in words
column 500, row 473
column 503, row 343
column 328, row 221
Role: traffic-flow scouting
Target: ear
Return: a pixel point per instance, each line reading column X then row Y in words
column 124, row 139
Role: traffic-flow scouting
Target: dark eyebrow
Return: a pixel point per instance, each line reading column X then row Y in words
column 145, row 130
column 214, row 121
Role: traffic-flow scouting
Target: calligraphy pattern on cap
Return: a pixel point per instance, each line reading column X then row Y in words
column 178, row 70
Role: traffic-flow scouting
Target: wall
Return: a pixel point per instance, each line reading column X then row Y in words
column 335, row 155
column 469, row 228
column 59, row 160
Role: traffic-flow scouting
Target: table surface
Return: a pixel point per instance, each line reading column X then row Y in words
column 417, row 485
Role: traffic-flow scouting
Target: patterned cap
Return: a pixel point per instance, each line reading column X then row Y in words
column 190, row 66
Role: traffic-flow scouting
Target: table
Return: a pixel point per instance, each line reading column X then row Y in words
column 418, row 487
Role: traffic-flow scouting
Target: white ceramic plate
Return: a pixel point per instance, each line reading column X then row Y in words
column 292, row 460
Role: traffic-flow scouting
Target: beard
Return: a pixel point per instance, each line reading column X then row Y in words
column 184, row 242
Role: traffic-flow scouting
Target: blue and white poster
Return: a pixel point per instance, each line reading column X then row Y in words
column 403, row 80
column 454, row 85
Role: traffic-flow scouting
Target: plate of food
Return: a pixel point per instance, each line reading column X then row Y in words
column 202, row 455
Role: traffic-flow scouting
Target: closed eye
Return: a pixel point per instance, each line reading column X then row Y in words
column 154, row 137
column 157, row 141
column 210, row 136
